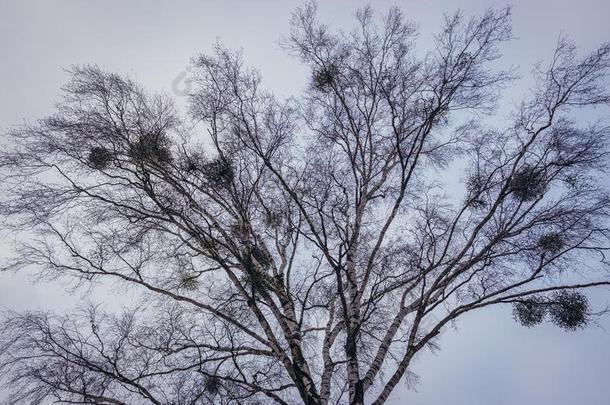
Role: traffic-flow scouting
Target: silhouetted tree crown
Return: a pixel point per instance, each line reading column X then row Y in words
column 304, row 250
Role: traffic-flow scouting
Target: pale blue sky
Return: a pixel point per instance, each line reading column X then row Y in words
column 489, row 359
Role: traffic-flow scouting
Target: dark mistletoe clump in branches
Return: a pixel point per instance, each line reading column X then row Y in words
column 99, row 157
column 212, row 385
column 151, row 148
column 551, row 242
column 219, row 172
column 530, row 311
column 567, row 309
column 325, row 76
column 255, row 282
column 528, row 183
column 192, row 162
column 263, row 258
column 189, row 281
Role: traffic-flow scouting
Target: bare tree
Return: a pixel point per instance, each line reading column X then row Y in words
column 304, row 251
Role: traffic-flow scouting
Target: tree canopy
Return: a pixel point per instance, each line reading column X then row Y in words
column 304, row 249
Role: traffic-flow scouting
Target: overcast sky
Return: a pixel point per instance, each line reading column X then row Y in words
column 488, row 359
